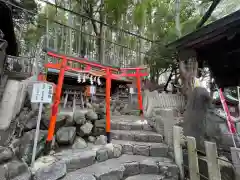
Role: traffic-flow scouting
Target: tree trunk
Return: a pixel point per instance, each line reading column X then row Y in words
column 187, row 76
column 177, row 18
column 102, row 34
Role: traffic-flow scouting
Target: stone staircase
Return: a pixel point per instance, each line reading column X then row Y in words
column 143, row 156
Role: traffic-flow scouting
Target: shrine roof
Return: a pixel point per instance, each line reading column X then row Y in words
column 217, row 46
column 209, row 33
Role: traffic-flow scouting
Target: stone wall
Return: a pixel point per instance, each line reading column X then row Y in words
column 12, row 103
column 163, row 112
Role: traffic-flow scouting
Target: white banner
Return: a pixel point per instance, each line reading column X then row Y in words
column 131, row 90
column 92, row 89
column 42, row 93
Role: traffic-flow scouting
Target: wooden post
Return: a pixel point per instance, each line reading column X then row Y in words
column 193, row 159
column 65, row 100
column 74, row 101
column 236, row 160
column 178, row 154
column 212, row 161
column 82, row 101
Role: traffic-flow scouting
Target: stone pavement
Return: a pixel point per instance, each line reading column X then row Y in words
column 136, row 153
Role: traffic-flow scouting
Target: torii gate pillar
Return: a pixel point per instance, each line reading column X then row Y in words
column 139, row 92
column 107, row 96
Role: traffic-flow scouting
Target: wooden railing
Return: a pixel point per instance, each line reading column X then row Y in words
column 212, row 168
column 154, row 100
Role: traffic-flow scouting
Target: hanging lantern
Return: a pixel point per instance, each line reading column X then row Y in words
column 79, row 78
column 91, row 80
column 98, row 81
column 84, row 78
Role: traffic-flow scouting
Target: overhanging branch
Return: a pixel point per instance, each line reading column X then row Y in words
column 208, row 13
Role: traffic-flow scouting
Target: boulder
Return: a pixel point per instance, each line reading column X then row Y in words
column 101, row 140
column 99, row 127
column 117, row 150
column 97, row 131
column 16, row 168
column 26, row 145
column 91, row 139
column 15, row 144
column 102, row 154
column 31, row 124
column 5, row 154
column 109, row 147
column 86, row 128
column 26, row 120
column 66, row 135
column 101, row 111
column 61, row 121
column 122, row 105
column 48, row 168
column 89, row 106
column 95, row 106
column 69, row 117
column 79, row 117
column 118, row 108
column 3, row 173
column 79, row 143
column 100, row 123
column 91, row 115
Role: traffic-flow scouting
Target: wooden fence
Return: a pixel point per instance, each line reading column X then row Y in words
column 211, row 159
column 154, row 100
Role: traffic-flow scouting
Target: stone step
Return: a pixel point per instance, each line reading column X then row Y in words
column 70, row 160
column 126, row 166
column 147, row 177
column 142, row 136
column 130, row 123
column 143, row 148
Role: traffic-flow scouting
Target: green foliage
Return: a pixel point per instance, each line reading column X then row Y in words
column 26, row 4
column 115, row 9
column 164, row 27
column 153, row 19
column 36, row 31
column 29, row 5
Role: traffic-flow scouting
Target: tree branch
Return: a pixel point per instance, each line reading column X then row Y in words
column 169, row 79
column 208, row 13
column 89, row 11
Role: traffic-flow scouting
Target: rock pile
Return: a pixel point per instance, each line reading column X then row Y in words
column 75, row 130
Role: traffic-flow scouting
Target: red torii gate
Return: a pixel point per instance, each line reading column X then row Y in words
column 138, row 74
column 62, row 66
